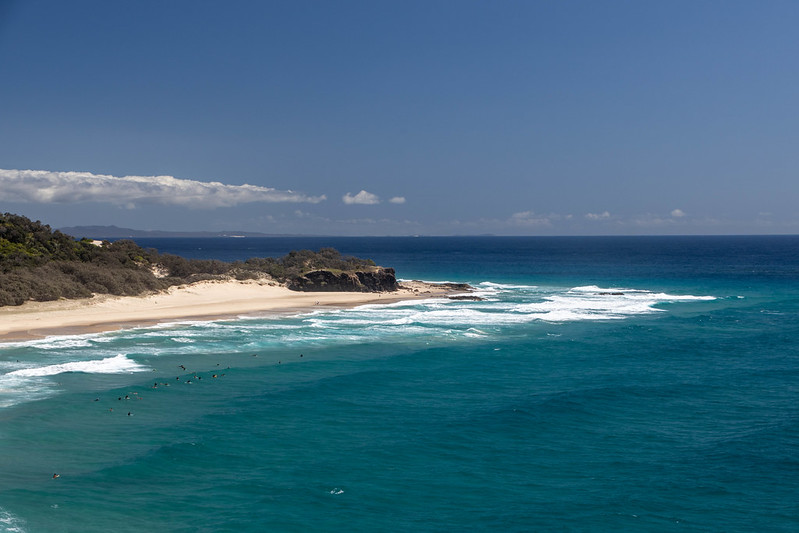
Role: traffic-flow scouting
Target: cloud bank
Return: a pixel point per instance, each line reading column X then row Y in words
column 529, row 218
column 362, row 198
column 43, row 186
column 600, row 216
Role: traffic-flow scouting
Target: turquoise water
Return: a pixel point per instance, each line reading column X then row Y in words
column 554, row 404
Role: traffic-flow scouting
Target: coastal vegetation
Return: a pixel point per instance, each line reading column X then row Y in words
column 40, row 264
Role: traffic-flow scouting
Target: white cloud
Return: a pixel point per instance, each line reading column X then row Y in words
column 397, row 200
column 601, row 216
column 43, row 186
column 529, row 218
column 677, row 213
column 363, row 198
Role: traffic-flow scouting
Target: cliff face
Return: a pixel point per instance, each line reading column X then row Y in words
column 379, row 280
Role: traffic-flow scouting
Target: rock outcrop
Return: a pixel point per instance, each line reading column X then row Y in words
column 377, row 280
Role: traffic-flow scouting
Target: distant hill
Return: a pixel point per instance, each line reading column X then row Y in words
column 114, row 232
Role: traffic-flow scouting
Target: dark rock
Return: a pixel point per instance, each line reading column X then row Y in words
column 610, row 293
column 379, row 280
column 466, row 297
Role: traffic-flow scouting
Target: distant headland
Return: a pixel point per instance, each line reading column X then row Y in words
column 114, row 232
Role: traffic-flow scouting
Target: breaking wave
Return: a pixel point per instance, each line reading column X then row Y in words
column 112, row 365
column 504, row 304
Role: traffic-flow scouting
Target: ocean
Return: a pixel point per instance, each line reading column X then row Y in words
column 602, row 384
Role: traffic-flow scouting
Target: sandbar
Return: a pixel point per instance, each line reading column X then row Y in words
column 204, row 300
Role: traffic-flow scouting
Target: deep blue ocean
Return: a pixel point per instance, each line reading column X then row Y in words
column 603, row 384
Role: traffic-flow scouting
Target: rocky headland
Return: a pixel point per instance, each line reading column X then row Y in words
column 378, row 279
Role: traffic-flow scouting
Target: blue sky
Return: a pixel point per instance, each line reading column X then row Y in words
column 401, row 118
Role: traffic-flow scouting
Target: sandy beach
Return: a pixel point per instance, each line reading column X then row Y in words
column 204, row 300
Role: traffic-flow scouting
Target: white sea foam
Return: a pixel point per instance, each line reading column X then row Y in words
column 595, row 289
column 490, row 290
column 504, row 286
column 10, row 523
column 514, row 304
column 640, row 293
column 19, row 390
column 393, row 305
column 595, row 303
column 59, row 342
column 182, row 325
column 119, row 364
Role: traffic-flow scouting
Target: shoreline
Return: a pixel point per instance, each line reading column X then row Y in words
column 206, row 300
